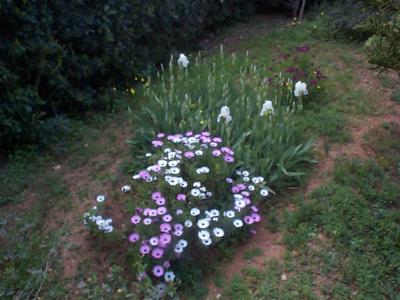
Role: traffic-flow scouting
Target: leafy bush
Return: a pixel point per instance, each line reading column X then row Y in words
column 192, row 99
column 59, row 57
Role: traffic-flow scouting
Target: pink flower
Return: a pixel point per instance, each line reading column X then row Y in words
column 189, row 133
column 156, row 195
column 188, row 154
column 229, row 159
column 178, row 227
column 135, row 219
column 167, row 218
column 247, row 201
column 216, row 153
column 161, row 210
column 256, row 217
column 158, row 271
column 166, row 264
column 254, row 208
column 205, row 133
column 181, row 197
column 164, row 239
column 156, row 168
column 144, row 175
column 165, row 227
column 248, row 220
column 157, row 144
column 134, row 237
column 160, row 201
column 227, row 150
column 145, row 249
column 160, row 135
column 217, row 139
column 157, row 253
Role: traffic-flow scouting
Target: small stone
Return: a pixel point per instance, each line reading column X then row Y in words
column 57, row 167
column 284, row 277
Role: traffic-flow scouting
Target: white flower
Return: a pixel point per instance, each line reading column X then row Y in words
column 203, row 223
column 260, row 179
column 182, row 243
column 251, row 188
column 204, row 234
column 154, row 241
column 195, row 192
column 218, row 232
column 135, row 177
column 214, row 213
column 169, row 276
column 148, row 154
column 188, row 223
column 229, row 213
column 126, row 188
column 267, row 108
column 197, row 184
column 100, row 198
column 300, row 89
column 183, row 60
column 183, row 184
column 162, row 163
column 173, row 163
column 229, row 180
column 245, row 173
column 240, row 203
column 174, row 170
column 245, row 179
column 178, row 249
column 238, row 223
column 255, row 180
column 207, row 242
column 225, row 113
column 198, row 152
column 166, row 150
column 264, row 192
column 209, row 194
column 195, row 211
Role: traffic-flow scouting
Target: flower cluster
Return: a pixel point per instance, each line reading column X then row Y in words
column 193, row 199
column 94, row 217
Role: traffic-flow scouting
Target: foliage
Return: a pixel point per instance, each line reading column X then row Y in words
column 384, row 45
column 61, row 57
column 192, row 98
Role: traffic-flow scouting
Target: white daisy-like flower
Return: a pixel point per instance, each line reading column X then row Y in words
column 197, row 184
column 188, row 223
column 246, row 179
column 195, row 192
column 207, row 242
column 135, row 177
column 174, row 181
column 205, row 170
column 174, row 170
column 203, row 224
column 148, row 154
column 169, row 276
column 229, row 213
column 218, row 232
column 213, row 144
column 192, row 140
column 154, row 241
column 199, row 171
column 245, row 173
column 203, row 195
column 237, row 223
column 214, row 213
column 173, row 163
column 183, row 184
column 229, row 180
column 204, row 234
column 168, row 178
column 239, row 173
column 178, row 249
column 255, row 180
column 162, row 163
column 240, row 203
column 260, row 179
column 126, row 188
column 100, row 198
column 198, row 152
column 264, row 192
column 166, row 150
column 182, row 243
column 195, row 211
column 237, row 196
column 251, row 188
column 209, row 194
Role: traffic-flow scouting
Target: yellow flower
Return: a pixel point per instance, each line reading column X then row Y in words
column 201, row 122
column 135, row 78
column 318, row 87
column 147, row 84
column 132, row 91
column 142, row 80
column 315, row 26
column 322, row 13
column 119, row 290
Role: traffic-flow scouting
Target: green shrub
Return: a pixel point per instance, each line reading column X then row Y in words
column 58, row 57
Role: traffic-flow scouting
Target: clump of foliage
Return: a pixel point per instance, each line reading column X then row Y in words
column 384, row 45
column 62, row 57
column 196, row 97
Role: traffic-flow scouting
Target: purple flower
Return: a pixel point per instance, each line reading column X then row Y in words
column 145, row 249
column 248, row 220
column 157, row 144
column 235, row 189
column 205, row 133
column 160, row 201
column 156, row 195
column 164, row 239
column 253, row 231
column 156, row 168
column 181, row 197
column 217, row 139
column 254, row 208
column 189, row 133
column 157, row 253
column 152, row 212
column 216, row 153
column 134, row 237
column 167, row 218
column 160, row 135
column 245, row 193
column 227, row 150
column 166, row 264
column 178, row 227
column 165, row 227
column 256, row 217
column 158, row 271
column 135, row 219
column 161, row 210
column 144, row 175
column 188, row 154
column 247, row 201
column 146, row 221
column 229, row 159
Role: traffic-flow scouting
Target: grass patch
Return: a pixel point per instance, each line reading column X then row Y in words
column 252, row 253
